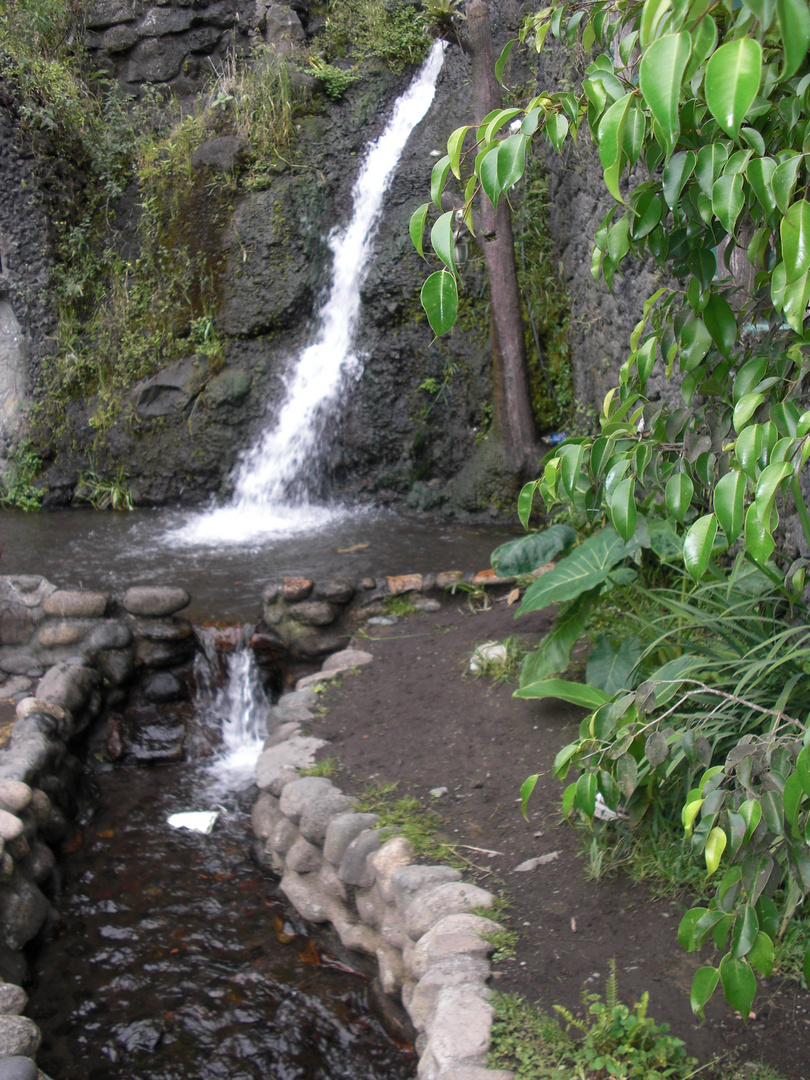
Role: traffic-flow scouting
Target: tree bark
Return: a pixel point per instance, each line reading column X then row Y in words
column 512, row 413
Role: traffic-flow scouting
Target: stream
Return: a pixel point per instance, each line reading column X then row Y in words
column 162, row 981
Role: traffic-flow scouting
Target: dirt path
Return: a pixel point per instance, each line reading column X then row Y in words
column 416, row 715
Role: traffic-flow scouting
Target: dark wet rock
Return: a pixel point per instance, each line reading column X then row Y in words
column 115, row 665
column 223, row 153
column 168, row 629
column 164, row 20
column 109, row 12
column 40, row 863
column 109, row 635
column 157, row 742
column 155, row 60
column 156, row 600
column 18, row 1068
column 164, row 654
column 313, row 612
column 23, row 910
column 164, row 688
column 338, row 592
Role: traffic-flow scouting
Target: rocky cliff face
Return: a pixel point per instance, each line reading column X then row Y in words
column 180, row 431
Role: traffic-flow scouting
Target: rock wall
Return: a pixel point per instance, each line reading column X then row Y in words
column 415, row 921
column 180, row 432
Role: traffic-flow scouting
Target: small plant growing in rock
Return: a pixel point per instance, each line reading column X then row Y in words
column 327, row 767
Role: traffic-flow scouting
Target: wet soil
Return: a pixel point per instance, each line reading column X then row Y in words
column 417, row 716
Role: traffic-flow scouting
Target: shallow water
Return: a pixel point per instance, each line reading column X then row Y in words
column 106, row 550
column 175, row 960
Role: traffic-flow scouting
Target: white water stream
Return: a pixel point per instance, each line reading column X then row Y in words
column 270, row 496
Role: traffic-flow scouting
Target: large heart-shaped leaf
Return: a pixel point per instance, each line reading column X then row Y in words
column 732, row 81
column 586, row 567
column 576, row 693
column 553, row 654
column 529, row 553
column 609, row 667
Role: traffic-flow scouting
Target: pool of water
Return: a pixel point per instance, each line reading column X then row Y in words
column 107, row 550
column 175, row 960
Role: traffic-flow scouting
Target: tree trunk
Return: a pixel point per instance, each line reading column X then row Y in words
column 512, row 413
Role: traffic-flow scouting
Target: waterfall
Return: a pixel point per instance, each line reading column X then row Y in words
column 239, row 708
column 270, row 495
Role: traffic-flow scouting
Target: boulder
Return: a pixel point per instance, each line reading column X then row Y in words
column 155, row 601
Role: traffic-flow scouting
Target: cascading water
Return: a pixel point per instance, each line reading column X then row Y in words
column 271, row 494
column 238, row 709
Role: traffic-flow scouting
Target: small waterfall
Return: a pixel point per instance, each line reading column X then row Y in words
column 238, row 708
column 271, row 494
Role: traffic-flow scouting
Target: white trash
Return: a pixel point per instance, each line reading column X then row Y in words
column 490, row 650
column 196, row 820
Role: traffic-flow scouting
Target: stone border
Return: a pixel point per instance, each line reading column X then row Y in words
column 415, row 920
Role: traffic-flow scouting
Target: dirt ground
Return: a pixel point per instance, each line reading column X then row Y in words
column 416, row 715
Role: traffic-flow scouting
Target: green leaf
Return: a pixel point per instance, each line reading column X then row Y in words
column 627, row 774
column 609, row 668
column 768, row 485
column 511, row 160
column 660, row 73
column 678, row 495
column 416, row 227
column 553, row 654
column 764, row 10
column 686, row 928
column 732, row 81
column 803, row 770
column 556, row 127
column 721, row 323
column 611, row 138
column 704, row 983
column 748, row 449
column 676, row 173
column 704, row 39
column 529, row 553
column 438, row 177
column 454, row 147
column 443, row 241
column 727, row 200
column 759, row 172
column 440, row 300
column 502, row 59
column 748, row 377
column 697, row 546
column 525, row 500
column 745, row 409
column 729, row 504
column 795, row 233
column 746, row 927
column 588, row 697
column 622, row 508
column 760, row 955
column 739, row 984
column 488, row 171
column 585, row 798
column 652, row 15
column 710, row 161
column 794, row 22
column 695, row 343
column 759, row 542
column 586, row 567
column 784, row 181
column 715, row 846
column 496, row 122
column 526, row 789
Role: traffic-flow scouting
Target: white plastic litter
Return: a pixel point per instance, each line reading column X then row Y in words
column 196, row 820
column 490, row 650
column 602, row 811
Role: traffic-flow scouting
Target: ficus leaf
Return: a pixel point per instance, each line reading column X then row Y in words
column 441, row 237
column 454, row 147
column 732, row 81
column 729, row 504
column 739, row 984
column 795, row 233
column 704, row 983
column 676, row 173
column 611, row 139
column 511, row 162
column 678, row 495
column 660, row 73
column 438, row 177
column 698, row 544
column 794, row 22
column 416, row 227
column 440, row 300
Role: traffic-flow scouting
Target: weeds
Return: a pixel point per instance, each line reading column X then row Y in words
column 400, row 605
column 105, row 492
column 611, row 1041
column 499, row 661
column 407, row 816
column 17, row 491
column 327, row 767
